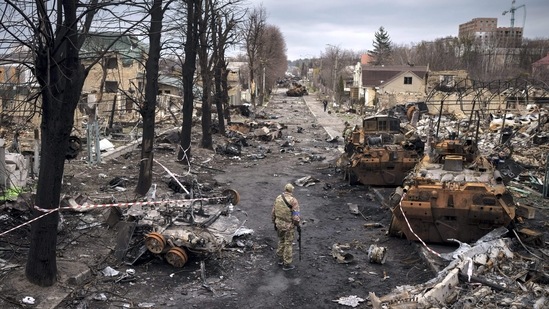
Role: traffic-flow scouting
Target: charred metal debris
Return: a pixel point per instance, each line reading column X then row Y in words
column 470, row 180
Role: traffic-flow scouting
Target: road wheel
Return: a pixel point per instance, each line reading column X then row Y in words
column 155, row 242
column 233, row 196
column 177, row 257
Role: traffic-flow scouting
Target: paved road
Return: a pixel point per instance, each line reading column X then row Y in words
column 332, row 122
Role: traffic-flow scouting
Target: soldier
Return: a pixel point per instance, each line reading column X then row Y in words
column 325, row 103
column 285, row 216
column 347, row 131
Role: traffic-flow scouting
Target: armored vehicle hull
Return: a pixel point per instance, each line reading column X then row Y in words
column 452, row 194
column 379, row 154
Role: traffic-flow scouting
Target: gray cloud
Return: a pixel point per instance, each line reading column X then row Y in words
column 309, row 25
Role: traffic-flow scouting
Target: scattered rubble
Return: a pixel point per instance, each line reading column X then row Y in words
column 351, row 301
column 472, row 279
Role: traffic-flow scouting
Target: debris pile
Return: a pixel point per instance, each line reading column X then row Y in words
column 172, row 229
column 488, row 274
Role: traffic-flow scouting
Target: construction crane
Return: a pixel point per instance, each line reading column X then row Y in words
column 512, row 11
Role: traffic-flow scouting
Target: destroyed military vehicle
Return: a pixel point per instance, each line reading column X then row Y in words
column 174, row 229
column 453, row 193
column 379, row 153
column 297, row 90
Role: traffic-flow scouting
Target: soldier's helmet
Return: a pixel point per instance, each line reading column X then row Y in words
column 289, row 188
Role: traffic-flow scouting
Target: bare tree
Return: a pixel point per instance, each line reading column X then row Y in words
column 273, row 61
column 205, row 33
column 253, row 27
column 192, row 10
column 148, row 108
column 224, row 35
column 54, row 34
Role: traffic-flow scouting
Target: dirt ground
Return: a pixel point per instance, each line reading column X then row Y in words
column 245, row 275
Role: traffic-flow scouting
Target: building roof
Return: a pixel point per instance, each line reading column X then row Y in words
column 170, row 81
column 128, row 46
column 542, row 62
column 366, row 59
column 374, row 76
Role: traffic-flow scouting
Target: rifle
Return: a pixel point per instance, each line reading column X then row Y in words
column 299, row 238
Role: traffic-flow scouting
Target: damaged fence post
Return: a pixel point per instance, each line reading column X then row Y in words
column 546, row 182
column 3, row 174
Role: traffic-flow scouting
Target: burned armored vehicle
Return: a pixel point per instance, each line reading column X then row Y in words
column 453, row 193
column 174, row 229
column 297, row 90
column 379, row 153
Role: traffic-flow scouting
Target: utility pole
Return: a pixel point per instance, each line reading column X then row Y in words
column 264, row 82
column 335, row 76
column 336, row 48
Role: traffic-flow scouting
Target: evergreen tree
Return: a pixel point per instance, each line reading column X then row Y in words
column 381, row 54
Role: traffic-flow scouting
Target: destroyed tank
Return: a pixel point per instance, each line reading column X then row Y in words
column 453, row 193
column 174, row 229
column 297, row 90
column 379, row 153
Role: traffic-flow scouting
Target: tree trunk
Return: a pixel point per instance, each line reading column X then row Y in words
column 189, row 67
column 61, row 77
column 205, row 72
column 206, row 114
column 225, row 93
column 218, row 98
column 149, row 106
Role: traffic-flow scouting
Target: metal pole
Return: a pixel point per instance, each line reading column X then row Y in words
column 333, row 87
column 96, row 142
column 546, row 183
column 3, row 169
column 36, row 162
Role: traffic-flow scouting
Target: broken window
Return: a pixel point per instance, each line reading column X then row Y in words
column 395, row 125
column 382, row 125
column 111, row 63
column 407, row 80
column 370, row 125
column 447, row 80
column 129, row 105
column 111, row 86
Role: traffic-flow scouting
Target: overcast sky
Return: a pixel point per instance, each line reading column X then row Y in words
column 308, row 25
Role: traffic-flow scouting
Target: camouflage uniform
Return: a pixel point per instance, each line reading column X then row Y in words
column 285, row 219
column 347, row 131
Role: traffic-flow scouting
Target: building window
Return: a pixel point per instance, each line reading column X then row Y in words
column 407, row 80
column 111, row 63
column 382, row 125
column 111, row 86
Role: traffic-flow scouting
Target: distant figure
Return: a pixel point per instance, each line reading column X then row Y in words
column 325, row 103
column 347, row 131
column 285, row 216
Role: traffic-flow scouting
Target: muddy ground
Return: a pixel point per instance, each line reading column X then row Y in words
column 245, row 275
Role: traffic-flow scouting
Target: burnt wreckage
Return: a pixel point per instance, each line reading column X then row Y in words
column 172, row 230
column 379, row 153
column 453, row 193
